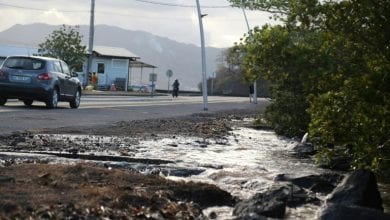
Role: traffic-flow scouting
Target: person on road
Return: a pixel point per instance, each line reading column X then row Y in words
column 251, row 92
column 175, row 86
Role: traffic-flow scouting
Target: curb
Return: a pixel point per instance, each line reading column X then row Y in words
column 115, row 93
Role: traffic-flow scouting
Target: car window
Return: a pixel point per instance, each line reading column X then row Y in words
column 65, row 68
column 25, row 63
column 57, row 66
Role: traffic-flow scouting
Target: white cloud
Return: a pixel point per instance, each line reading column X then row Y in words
column 53, row 15
column 222, row 26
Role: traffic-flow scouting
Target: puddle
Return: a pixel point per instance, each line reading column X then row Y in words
column 244, row 163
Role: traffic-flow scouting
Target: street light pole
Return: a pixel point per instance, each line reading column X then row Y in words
column 249, row 29
column 204, row 80
column 91, row 35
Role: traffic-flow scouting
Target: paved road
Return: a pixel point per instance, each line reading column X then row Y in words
column 103, row 110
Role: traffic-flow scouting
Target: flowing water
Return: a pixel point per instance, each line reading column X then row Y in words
column 244, row 163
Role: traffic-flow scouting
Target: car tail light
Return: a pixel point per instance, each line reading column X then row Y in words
column 45, row 76
column 2, row 74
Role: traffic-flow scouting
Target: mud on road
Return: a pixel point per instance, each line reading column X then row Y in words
column 73, row 172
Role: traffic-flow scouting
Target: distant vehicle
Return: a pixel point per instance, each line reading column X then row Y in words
column 33, row 78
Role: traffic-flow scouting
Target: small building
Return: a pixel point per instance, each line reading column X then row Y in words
column 114, row 65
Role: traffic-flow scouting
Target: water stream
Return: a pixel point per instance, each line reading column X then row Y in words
column 245, row 163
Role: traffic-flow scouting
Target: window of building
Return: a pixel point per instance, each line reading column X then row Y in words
column 100, row 68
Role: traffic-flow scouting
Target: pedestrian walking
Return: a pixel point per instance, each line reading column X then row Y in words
column 251, row 92
column 175, row 86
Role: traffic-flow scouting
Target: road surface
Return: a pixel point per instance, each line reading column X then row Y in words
column 104, row 110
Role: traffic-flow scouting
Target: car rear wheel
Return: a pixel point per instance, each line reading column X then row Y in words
column 28, row 102
column 53, row 100
column 3, row 101
column 75, row 103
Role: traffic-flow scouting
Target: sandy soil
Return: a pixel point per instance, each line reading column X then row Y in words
column 35, row 190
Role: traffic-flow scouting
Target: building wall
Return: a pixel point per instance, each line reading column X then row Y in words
column 113, row 68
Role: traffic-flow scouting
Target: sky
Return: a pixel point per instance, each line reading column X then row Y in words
column 174, row 19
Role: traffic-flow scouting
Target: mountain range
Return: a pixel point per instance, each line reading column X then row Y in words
column 183, row 59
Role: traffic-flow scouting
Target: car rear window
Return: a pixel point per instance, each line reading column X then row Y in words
column 24, row 63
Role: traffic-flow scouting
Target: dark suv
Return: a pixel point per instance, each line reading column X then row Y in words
column 30, row 78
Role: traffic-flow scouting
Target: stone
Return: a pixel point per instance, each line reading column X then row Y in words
column 343, row 212
column 359, row 189
column 7, row 179
column 323, row 183
column 272, row 203
column 304, row 149
column 213, row 215
column 271, row 208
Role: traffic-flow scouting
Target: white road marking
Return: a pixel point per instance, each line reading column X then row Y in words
column 88, row 102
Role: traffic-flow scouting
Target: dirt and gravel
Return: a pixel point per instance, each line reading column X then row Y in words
column 40, row 189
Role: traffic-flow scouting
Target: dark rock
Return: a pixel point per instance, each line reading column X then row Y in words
column 8, row 208
column 44, row 176
column 271, row 208
column 205, row 196
column 343, row 212
column 73, row 151
column 359, row 189
column 304, row 149
column 182, row 172
column 324, row 183
column 299, row 196
column 213, row 215
column 281, row 177
column 273, row 203
column 340, row 161
column 7, row 179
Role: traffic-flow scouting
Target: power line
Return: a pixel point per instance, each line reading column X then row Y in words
column 40, row 9
column 109, row 12
column 181, row 5
column 143, row 1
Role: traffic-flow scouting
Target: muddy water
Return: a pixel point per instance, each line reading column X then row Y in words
column 244, row 163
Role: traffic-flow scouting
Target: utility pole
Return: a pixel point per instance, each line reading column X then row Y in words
column 91, row 35
column 249, row 29
column 204, row 80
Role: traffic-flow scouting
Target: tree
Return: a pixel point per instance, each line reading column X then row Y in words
column 230, row 75
column 329, row 64
column 353, row 117
column 272, row 6
column 278, row 54
column 64, row 44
